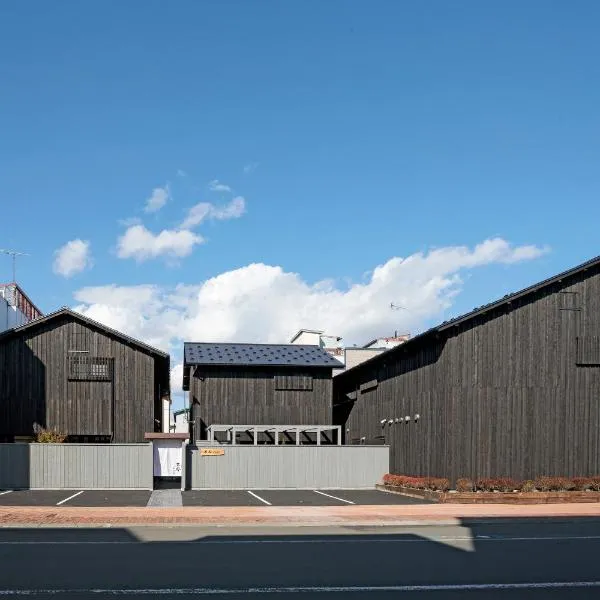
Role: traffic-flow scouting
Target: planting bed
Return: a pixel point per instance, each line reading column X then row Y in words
column 502, row 490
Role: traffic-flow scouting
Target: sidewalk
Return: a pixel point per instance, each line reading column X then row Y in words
column 272, row 515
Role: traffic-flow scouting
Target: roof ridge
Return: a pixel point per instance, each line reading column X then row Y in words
column 64, row 310
column 506, row 299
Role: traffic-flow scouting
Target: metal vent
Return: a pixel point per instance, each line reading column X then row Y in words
column 90, row 368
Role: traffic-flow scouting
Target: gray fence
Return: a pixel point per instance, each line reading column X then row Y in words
column 76, row 466
column 298, row 467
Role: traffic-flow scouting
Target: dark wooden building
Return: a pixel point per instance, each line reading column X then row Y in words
column 257, row 384
column 67, row 372
column 509, row 389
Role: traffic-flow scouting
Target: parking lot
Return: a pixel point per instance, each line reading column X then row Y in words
column 105, row 498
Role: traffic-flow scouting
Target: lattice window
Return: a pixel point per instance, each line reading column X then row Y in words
column 90, row 368
column 588, row 350
column 300, row 382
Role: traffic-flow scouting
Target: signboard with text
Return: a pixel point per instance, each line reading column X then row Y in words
column 212, row 451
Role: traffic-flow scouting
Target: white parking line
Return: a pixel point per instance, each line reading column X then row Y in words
column 6, row 492
column 325, row 589
column 259, row 498
column 334, row 497
column 69, row 498
column 350, row 540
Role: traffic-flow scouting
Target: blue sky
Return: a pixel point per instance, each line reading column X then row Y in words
column 371, row 130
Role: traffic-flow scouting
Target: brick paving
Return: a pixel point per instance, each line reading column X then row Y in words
column 273, row 515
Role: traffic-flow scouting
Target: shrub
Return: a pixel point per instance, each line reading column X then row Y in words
column 418, row 483
column 554, row 484
column 464, row 485
column 49, row 436
column 497, row 484
column 506, row 484
column 595, row 483
column 485, row 484
column 528, row 486
column 438, row 484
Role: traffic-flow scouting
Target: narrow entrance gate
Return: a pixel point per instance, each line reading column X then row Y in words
column 167, row 457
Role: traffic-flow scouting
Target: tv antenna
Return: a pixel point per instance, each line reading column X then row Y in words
column 13, row 254
column 397, row 307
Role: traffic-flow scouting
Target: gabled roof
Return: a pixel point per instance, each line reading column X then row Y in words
column 67, row 312
column 279, row 355
column 254, row 355
column 301, row 331
column 476, row 312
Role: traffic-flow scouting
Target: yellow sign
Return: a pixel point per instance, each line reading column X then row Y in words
column 212, row 451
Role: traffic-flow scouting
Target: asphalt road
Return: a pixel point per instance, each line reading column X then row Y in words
column 555, row 559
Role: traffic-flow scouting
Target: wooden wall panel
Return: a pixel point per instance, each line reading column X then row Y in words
column 34, row 384
column 499, row 395
column 248, row 396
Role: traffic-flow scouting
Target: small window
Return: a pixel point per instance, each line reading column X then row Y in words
column 300, row 382
column 79, row 341
column 588, row 351
column 90, row 368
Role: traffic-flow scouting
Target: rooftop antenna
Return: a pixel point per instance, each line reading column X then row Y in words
column 13, row 254
column 397, row 307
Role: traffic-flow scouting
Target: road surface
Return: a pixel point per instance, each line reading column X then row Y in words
column 500, row 560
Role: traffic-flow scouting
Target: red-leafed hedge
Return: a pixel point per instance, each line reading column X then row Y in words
column 496, row 484
column 436, row 484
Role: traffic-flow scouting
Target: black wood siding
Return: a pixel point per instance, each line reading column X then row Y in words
column 248, row 396
column 514, row 392
column 34, row 384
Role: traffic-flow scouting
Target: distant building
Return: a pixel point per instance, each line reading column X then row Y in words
column 355, row 355
column 385, row 343
column 332, row 344
column 352, row 355
column 16, row 308
column 181, row 423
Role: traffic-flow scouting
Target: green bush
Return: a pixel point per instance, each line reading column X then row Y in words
column 49, row 436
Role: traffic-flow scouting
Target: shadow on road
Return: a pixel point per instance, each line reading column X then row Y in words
column 447, row 561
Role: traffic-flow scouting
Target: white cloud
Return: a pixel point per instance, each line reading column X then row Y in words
column 181, row 173
column 205, row 210
column 141, row 244
column 72, row 258
column 250, row 168
column 216, row 186
column 263, row 303
column 129, row 221
column 158, row 199
column 234, row 210
column 197, row 214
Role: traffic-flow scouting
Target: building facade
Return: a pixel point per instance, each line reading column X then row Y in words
column 16, row 308
column 510, row 389
column 91, row 383
column 332, row 344
column 257, row 384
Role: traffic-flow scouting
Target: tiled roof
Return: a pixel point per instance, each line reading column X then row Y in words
column 289, row 355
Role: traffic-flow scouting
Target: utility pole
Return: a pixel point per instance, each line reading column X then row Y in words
column 13, row 254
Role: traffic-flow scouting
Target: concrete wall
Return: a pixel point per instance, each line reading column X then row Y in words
column 10, row 316
column 76, row 466
column 296, row 467
column 355, row 356
column 180, row 422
